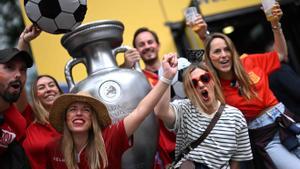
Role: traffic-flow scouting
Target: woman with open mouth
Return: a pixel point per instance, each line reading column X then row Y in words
column 228, row 141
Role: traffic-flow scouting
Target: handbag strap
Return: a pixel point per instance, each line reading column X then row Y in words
column 195, row 143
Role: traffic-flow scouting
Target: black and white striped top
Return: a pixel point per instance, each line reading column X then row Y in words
column 228, row 140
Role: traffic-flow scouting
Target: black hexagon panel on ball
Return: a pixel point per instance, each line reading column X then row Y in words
column 56, row 16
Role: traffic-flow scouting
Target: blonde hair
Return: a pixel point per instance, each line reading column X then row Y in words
column 95, row 148
column 190, row 90
column 247, row 89
column 40, row 112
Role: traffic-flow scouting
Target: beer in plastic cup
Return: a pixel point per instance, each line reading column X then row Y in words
column 267, row 5
column 191, row 14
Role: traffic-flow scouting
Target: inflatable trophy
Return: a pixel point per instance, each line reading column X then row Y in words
column 96, row 45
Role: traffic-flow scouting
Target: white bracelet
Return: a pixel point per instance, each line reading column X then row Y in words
column 165, row 80
column 278, row 27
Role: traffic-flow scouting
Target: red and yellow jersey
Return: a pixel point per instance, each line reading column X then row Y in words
column 258, row 67
column 151, row 76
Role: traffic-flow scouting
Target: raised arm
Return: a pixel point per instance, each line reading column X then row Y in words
column 201, row 25
column 146, row 106
column 279, row 40
column 29, row 33
column 163, row 110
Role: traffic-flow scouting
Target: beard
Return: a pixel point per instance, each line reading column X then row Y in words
column 150, row 61
column 11, row 97
column 149, row 56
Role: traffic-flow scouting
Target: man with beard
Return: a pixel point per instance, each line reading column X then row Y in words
column 146, row 46
column 13, row 67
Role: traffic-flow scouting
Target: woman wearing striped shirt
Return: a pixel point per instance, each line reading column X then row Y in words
column 227, row 143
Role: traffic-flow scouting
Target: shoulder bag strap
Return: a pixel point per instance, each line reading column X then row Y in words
column 203, row 136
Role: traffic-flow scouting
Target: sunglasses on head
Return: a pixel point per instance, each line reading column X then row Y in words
column 204, row 78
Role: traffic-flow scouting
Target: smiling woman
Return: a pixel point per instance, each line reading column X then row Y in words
column 245, row 84
column 79, row 117
column 44, row 91
column 89, row 140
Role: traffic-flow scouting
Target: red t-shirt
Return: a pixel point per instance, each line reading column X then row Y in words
column 13, row 128
column 37, row 137
column 28, row 114
column 116, row 143
column 167, row 139
column 258, row 67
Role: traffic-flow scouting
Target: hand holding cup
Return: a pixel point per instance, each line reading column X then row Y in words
column 272, row 10
column 190, row 15
column 196, row 22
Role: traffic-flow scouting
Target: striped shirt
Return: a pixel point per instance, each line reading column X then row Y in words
column 228, row 140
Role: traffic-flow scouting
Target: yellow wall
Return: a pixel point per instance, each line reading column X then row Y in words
column 50, row 57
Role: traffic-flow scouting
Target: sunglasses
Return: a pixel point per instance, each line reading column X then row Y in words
column 204, row 78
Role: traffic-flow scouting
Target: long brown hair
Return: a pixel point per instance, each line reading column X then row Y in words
column 40, row 112
column 95, row 148
column 190, row 90
column 239, row 72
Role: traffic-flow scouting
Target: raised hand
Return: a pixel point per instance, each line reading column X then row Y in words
column 199, row 26
column 276, row 13
column 131, row 56
column 30, row 33
column 169, row 65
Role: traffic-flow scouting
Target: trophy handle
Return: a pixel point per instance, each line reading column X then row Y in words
column 124, row 48
column 68, row 71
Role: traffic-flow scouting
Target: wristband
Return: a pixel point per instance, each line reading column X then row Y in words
column 203, row 38
column 276, row 27
column 165, row 80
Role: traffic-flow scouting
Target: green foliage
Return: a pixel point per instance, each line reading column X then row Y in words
column 11, row 23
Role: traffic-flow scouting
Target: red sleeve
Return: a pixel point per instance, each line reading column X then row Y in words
column 268, row 62
column 116, row 140
column 16, row 121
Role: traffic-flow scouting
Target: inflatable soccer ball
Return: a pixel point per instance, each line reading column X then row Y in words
column 56, row 16
column 177, row 91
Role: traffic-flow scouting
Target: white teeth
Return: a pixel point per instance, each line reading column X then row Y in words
column 50, row 97
column 224, row 62
column 78, row 121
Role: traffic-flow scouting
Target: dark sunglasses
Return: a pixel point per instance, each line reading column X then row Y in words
column 205, row 78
